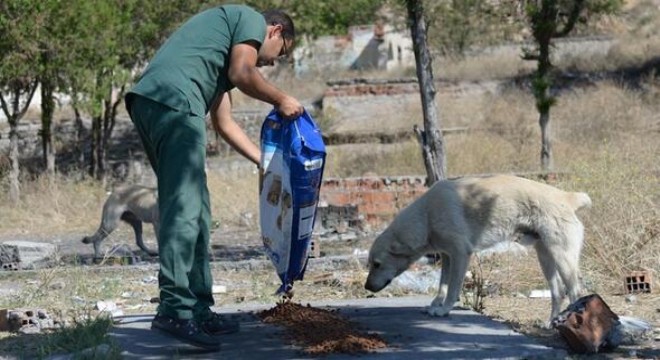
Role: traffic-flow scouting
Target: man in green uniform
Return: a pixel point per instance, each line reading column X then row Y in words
column 190, row 76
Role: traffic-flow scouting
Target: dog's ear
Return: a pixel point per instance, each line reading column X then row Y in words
column 399, row 249
column 408, row 243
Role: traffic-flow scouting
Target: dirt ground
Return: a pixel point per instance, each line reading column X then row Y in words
column 507, row 279
column 246, row 273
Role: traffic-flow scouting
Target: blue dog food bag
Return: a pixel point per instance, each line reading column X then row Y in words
column 292, row 162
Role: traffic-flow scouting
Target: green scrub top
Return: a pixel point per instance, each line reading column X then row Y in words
column 191, row 67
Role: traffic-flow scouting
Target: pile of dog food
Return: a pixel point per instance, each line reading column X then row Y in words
column 320, row 331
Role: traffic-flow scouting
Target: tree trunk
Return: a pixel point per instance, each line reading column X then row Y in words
column 544, row 103
column 430, row 139
column 545, row 17
column 110, row 106
column 105, row 138
column 14, row 172
column 94, row 148
column 80, row 141
column 15, row 110
column 47, row 111
column 546, row 144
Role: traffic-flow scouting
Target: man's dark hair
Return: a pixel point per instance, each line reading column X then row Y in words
column 279, row 17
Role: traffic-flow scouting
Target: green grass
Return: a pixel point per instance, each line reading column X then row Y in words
column 86, row 338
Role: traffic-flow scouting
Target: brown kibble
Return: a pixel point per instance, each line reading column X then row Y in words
column 320, row 331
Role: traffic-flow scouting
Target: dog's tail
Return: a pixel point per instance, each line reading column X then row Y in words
column 579, row 200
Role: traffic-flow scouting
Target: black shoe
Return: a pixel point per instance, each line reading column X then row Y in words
column 187, row 331
column 216, row 324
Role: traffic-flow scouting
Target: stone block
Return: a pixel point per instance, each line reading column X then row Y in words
column 17, row 254
column 337, row 219
column 315, row 249
column 4, row 320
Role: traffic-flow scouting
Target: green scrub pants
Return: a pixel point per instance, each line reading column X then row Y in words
column 175, row 143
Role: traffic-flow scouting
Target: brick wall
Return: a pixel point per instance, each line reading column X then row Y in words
column 377, row 199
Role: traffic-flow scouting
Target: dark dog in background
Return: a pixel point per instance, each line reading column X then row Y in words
column 133, row 204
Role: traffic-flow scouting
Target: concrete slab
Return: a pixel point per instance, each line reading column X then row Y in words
column 25, row 255
column 410, row 332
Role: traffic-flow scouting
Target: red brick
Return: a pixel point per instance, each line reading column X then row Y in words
column 405, row 198
column 337, row 198
column 351, row 183
column 638, row 282
column 379, row 203
column 380, row 209
column 378, row 197
column 371, row 184
column 330, row 184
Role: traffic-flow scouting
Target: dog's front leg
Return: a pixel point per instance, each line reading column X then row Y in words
column 444, row 281
column 549, row 267
column 456, row 273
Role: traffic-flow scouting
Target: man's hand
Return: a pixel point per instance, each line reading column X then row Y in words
column 290, row 108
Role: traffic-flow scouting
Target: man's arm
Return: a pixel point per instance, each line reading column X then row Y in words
column 230, row 131
column 244, row 74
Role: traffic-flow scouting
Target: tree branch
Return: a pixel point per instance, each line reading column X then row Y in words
column 115, row 105
column 530, row 56
column 5, row 109
column 31, row 91
column 578, row 5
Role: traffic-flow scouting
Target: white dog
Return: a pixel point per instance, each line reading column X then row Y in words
column 459, row 217
column 134, row 204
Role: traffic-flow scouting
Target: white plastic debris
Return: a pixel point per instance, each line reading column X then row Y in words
column 109, row 307
column 630, row 331
column 149, row 280
column 219, row 289
column 540, row 294
column 417, row 281
column 360, row 253
column 78, row 300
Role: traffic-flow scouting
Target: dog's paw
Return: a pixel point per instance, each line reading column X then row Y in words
column 437, row 311
column 548, row 325
column 438, row 302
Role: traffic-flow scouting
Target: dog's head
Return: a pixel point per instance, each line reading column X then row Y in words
column 389, row 256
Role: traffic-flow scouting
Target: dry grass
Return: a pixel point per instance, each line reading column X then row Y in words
column 484, row 66
column 59, row 205
column 64, row 205
column 234, row 197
